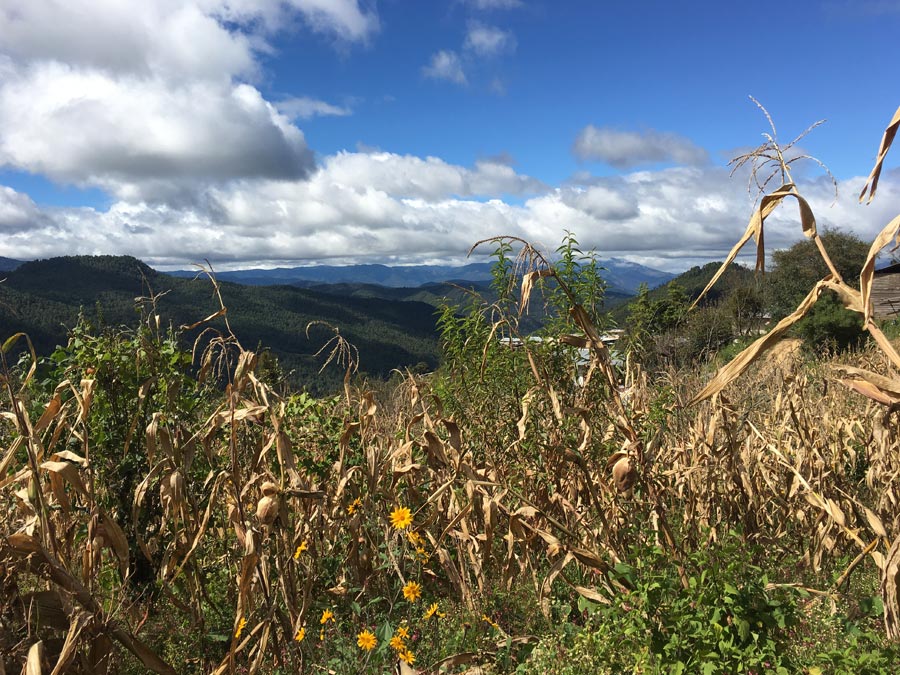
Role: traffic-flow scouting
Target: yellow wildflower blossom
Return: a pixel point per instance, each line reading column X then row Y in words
column 407, row 657
column 366, row 640
column 403, row 632
column 327, row 616
column 415, row 538
column 300, row 549
column 412, row 591
column 401, row 518
column 300, row 634
column 396, row 643
column 354, row 506
column 489, row 620
column 432, row 611
column 240, row 628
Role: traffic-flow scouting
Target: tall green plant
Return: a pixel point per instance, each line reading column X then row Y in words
column 581, row 272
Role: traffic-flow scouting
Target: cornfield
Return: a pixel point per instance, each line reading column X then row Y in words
column 267, row 533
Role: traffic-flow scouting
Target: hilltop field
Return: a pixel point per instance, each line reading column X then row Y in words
column 719, row 495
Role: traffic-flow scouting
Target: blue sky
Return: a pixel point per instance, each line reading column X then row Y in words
column 273, row 132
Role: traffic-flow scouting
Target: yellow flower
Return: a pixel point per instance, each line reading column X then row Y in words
column 422, row 554
column 354, row 505
column 327, row 616
column 485, row 617
column 366, row 640
column 396, row 643
column 300, row 549
column 412, row 591
column 300, row 634
column 408, row 657
column 401, row 518
column 432, row 611
column 240, row 628
column 415, row 538
column 403, row 632
column 321, row 635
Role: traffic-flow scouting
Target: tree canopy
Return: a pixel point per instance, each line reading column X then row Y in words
column 798, row 268
column 796, row 271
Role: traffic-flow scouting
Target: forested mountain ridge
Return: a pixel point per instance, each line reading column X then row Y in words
column 44, row 298
column 393, row 327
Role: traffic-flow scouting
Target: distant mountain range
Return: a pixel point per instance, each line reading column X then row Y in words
column 8, row 264
column 622, row 276
column 391, row 320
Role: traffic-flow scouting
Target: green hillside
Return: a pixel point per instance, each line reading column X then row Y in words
column 693, row 281
column 391, row 327
column 43, row 299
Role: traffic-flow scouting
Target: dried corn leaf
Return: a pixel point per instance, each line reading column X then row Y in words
column 732, row 370
column 118, row 542
column 850, row 297
column 879, row 388
column 884, row 344
column 528, row 285
column 192, row 326
column 50, row 412
column 835, row 512
column 35, row 656
column 592, row 595
column 755, row 229
column 890, row 590
column 875, row 523
column 591, row 559
column 871, row 391
column 68, row 651
column 890, row 231
column 68, row 471
column 872, row 181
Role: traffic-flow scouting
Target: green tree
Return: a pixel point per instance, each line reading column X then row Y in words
column 652, row 324
column 798, row 268
column 796, row 271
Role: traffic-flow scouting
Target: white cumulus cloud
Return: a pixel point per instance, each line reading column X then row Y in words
column 445, row 65
column 485, row 40
column 87, row 127
column 151, row 100
column 627, row 149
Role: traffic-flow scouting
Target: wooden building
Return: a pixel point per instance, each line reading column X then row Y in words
column 886, row 292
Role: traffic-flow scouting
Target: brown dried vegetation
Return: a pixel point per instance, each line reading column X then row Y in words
column 806, row 469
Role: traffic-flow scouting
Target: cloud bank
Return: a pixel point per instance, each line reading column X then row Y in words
column 394, row 208
column 159, row 105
